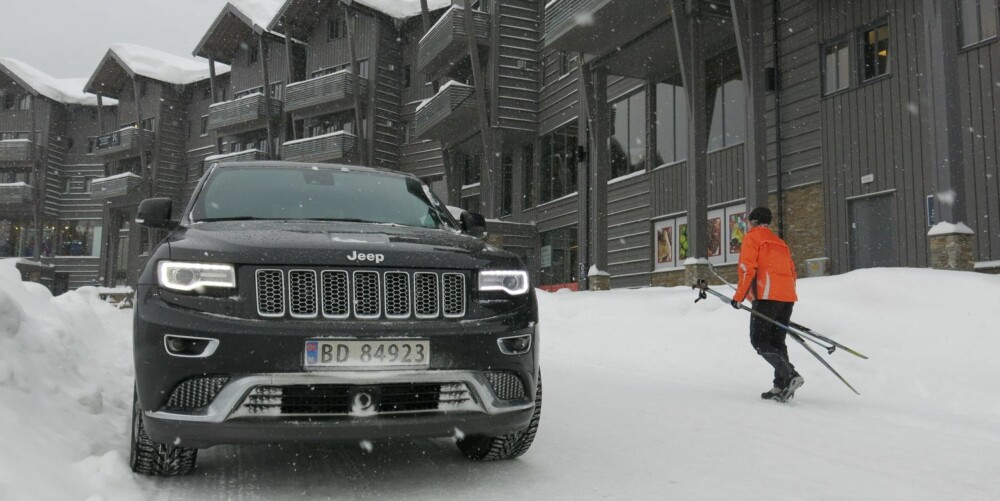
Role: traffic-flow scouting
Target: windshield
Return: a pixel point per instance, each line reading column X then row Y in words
column 317, row 193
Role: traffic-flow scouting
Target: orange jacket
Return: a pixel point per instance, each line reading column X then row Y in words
column 766, row 260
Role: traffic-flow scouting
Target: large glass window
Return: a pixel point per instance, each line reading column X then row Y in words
column 471, row 168
column 628, row 135
column 79, row 238
column 979, row 20
column 558, row 163
column 729, row 123
column 671, row 124
column 875, row 52
column 836, row 67
column 559, row 256
column 507, row 184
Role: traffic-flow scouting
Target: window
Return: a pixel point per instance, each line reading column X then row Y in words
column 875, row 53
column 836, row 67
column 143, row 88
column 407, row 76
column 149, row 124
column 558, row 163
column 248, row 92
column 471, row 168
column 67, row 185
column 729, row 124
column 563, row 63
column 91, row 144
column 627, row 147
column 223, row 91
column 24, row 103
column 978, row 20
column 276, row 90
column 9, row 101
column 671, row 124
column 362, row 69
column 337, row 27
column 204, row 125
column 254, row 54
column 559, row 257
column 70, row 143
column 79, row 238
column 206, row 93
column 528, row 190
column 506, row 184
column 405, row 132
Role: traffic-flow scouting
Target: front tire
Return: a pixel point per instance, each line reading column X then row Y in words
column 483, row 448
column 152, row 458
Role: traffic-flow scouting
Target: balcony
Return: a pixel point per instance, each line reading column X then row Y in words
column 325, row 94
column 450, row 116
column 240, row 156
column 115, row 187
column 15, row 194
column 600, row 26
column 338, row 147
column 123, row 143
column 447, row 42
column 243, row 114
column 17, row 154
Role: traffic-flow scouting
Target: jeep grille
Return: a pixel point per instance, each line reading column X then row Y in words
column 360, row 294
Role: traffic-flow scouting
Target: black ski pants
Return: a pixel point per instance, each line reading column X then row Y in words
column 769, row 339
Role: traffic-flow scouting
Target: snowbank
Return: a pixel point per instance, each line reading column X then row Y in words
column 65, row 384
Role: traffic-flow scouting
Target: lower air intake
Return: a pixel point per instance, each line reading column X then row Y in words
column 506, row 385
column 195, row 393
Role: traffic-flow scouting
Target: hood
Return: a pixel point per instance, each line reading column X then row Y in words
column 278, row 243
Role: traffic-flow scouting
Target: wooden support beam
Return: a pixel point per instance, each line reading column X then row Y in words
column 941, row 114
column 350, row 21
column 147, row 174
column 268, row 106
column 584, row 171
column 287, row 118
column 599, row 117
column 211, row 80
column 688, row 33
column 488, row 198
column 748, row 22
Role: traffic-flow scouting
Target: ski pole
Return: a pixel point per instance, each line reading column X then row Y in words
column 810, row 334
column 703, row 290
column 828, row 347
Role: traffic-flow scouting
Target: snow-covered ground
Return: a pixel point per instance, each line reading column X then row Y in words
column 648, row 396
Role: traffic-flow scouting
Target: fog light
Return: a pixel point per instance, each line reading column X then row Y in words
column 190, row 347
column 515, row 345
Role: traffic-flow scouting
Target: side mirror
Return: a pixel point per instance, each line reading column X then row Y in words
column 474, row 224
column 155, row 213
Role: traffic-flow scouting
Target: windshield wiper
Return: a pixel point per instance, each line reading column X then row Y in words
column 235, row 218
column 334, row 219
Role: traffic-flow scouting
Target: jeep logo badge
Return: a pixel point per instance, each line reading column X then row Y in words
column 375, row 258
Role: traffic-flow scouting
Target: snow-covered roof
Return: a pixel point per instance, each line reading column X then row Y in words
column 161, row 66
column 62, row 90
column 260, row 12
column 402, row 9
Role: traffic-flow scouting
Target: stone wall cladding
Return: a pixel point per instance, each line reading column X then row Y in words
column 952, row 252
column 805, row 230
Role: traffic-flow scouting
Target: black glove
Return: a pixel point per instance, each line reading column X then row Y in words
column 736, row 304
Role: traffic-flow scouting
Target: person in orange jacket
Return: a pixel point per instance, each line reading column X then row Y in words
column 767, row 277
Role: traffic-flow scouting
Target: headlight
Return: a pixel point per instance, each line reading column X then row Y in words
column 191, row 276
column 514, row 283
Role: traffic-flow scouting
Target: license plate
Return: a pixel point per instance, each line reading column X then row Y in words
column 367, row 354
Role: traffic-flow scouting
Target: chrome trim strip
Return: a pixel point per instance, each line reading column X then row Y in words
column 233, row 393
column 213, row 344
column 315, row 295
column 281, row 280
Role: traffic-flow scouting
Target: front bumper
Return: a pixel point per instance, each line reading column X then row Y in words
column 255, row 354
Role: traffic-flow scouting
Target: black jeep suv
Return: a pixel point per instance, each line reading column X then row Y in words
column 310, row 303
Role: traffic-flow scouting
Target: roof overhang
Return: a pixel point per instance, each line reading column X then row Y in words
column 110, row 76
column 231, row 30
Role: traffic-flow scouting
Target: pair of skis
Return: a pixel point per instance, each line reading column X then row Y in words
column 797, row 332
